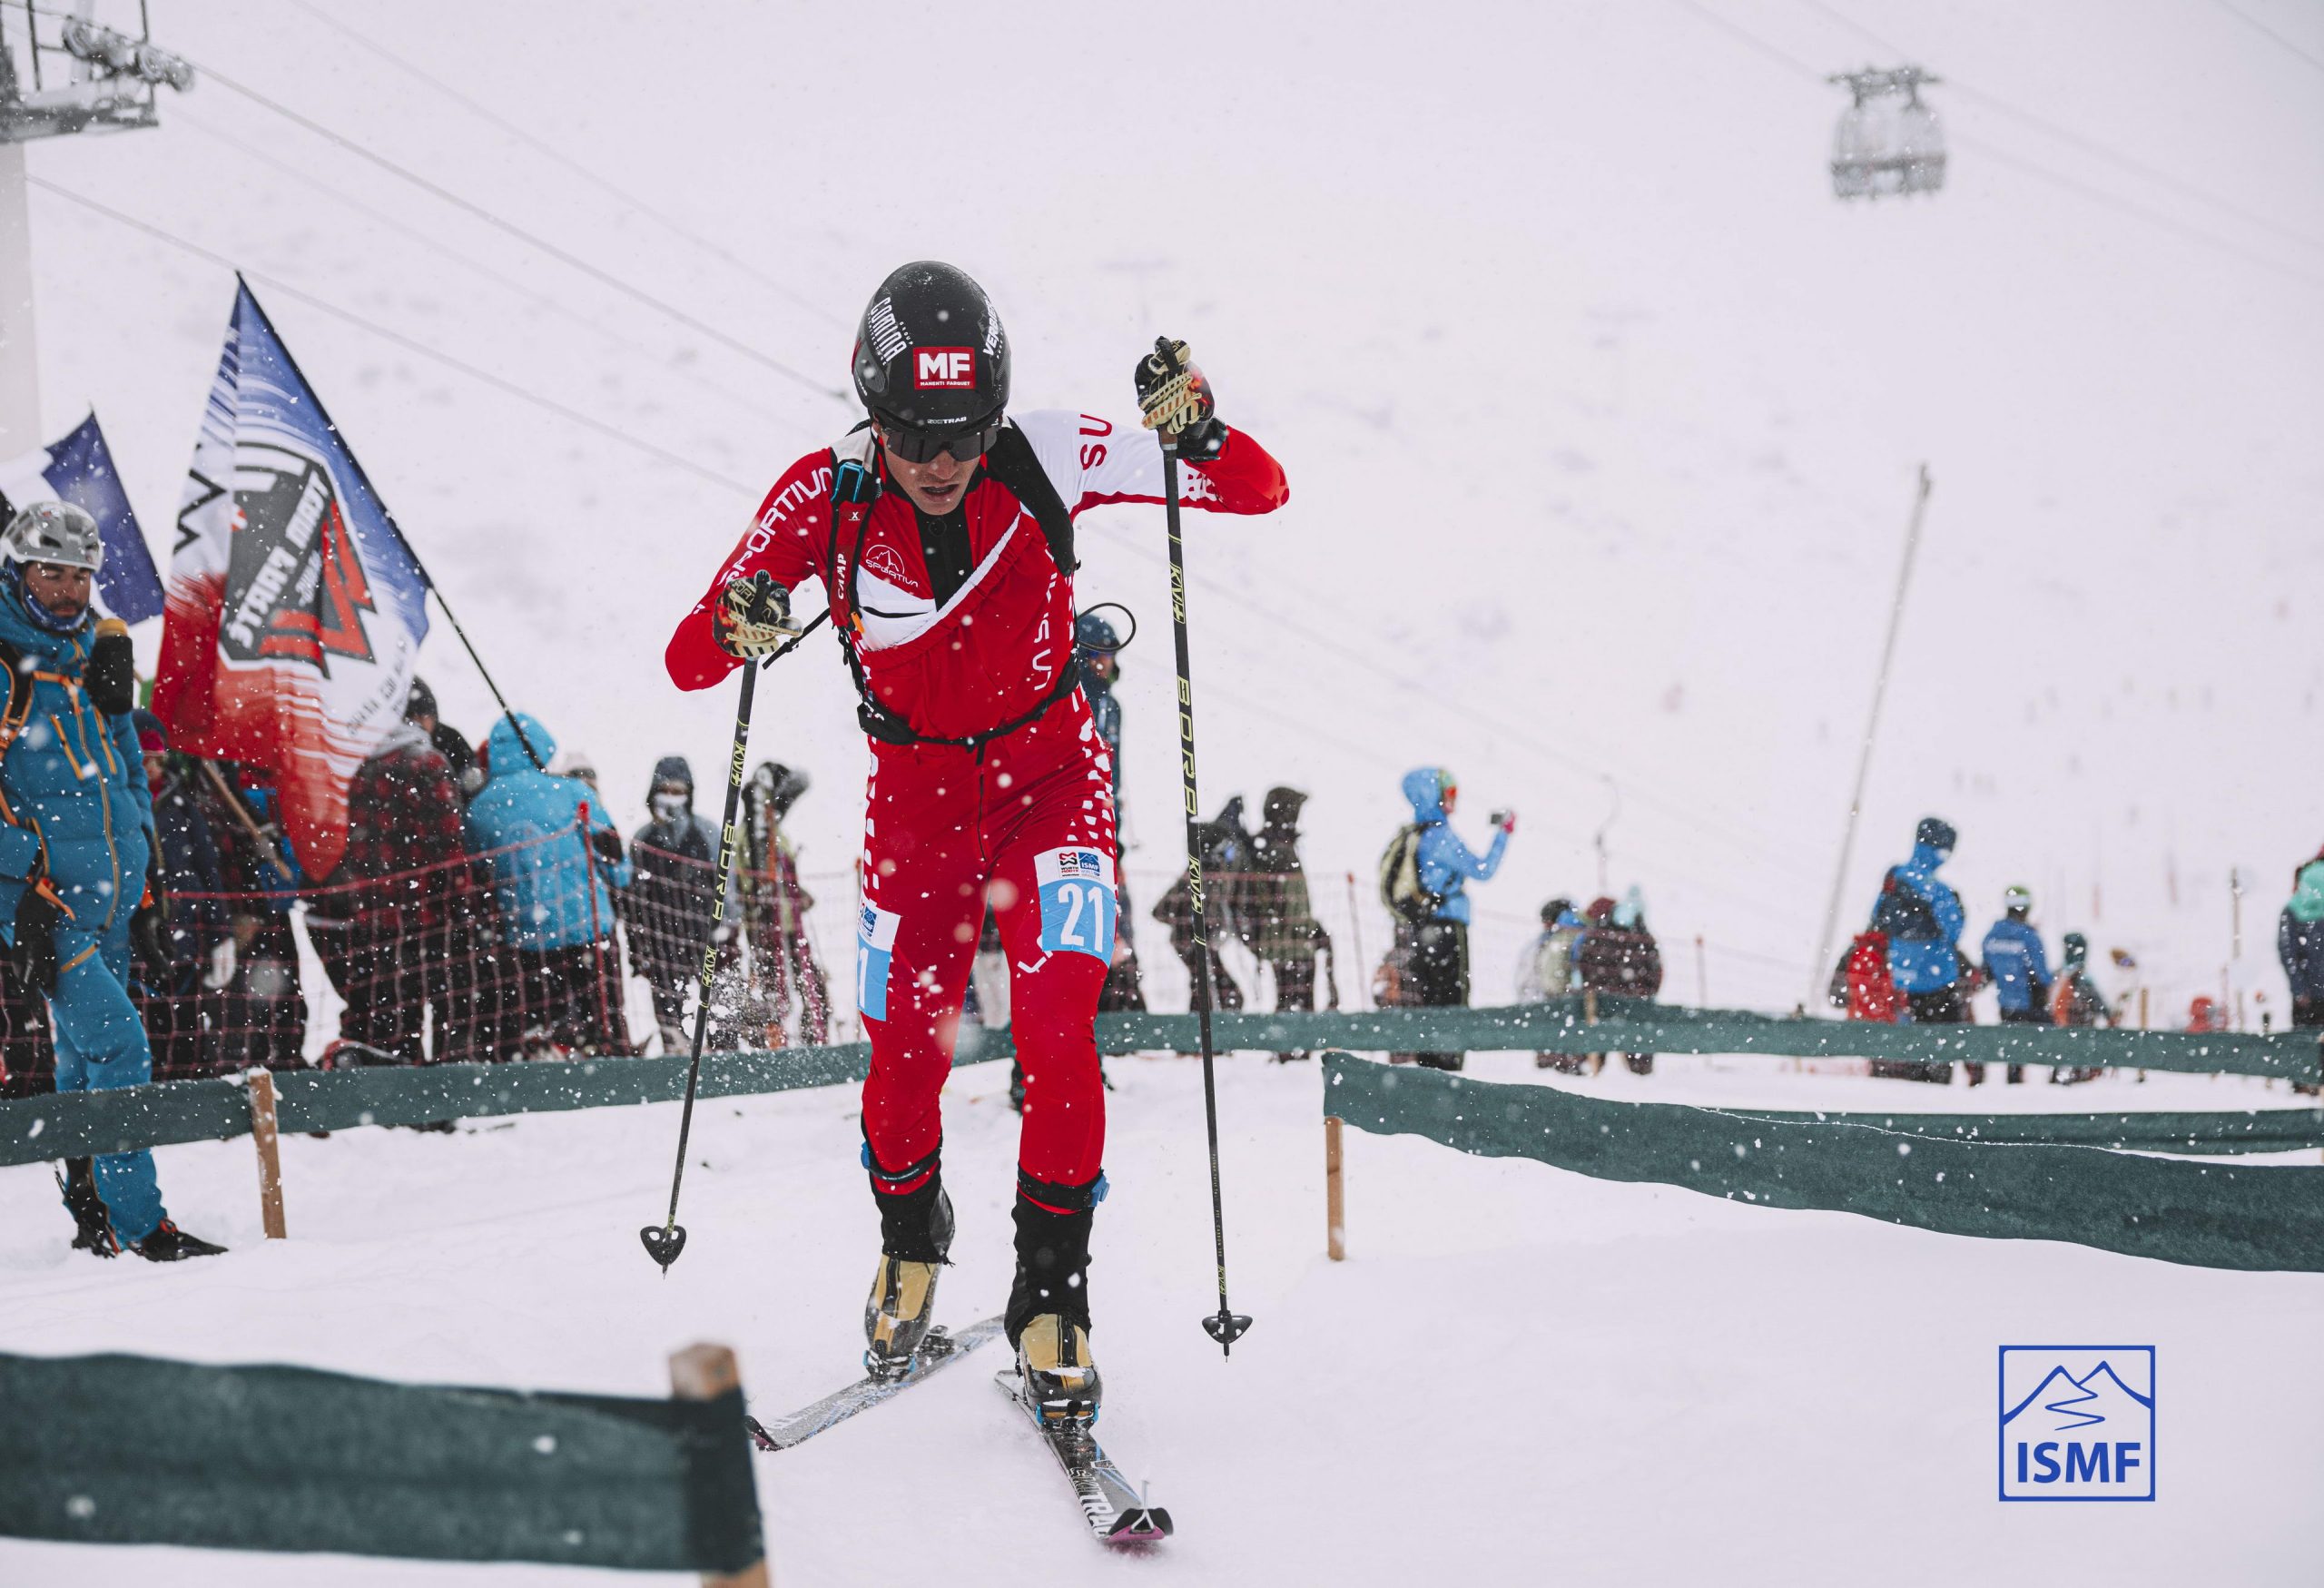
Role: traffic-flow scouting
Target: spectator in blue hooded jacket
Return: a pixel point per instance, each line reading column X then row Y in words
column 1437, row 966
column 552, row 853
column 1922, row 919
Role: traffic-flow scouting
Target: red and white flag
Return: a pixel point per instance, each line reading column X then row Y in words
column 294, row 609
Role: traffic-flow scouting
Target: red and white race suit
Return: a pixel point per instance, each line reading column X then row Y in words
column 1030, row 812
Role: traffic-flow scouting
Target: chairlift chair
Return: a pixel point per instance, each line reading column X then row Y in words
column 1887, row 141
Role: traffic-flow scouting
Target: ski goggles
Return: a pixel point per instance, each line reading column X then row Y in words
column 965, row 446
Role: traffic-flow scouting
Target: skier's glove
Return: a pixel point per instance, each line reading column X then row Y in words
column 753, row 617
column 109, row 673
column 1177, row 400
column 32, row 954
column 608, row 844
column 221, row 965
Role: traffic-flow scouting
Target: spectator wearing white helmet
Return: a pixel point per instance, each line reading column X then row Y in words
column 76, row 853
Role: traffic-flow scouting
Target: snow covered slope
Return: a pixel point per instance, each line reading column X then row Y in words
column 1519, row 1376
column 1601, row 414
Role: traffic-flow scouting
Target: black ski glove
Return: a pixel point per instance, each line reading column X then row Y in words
column 608, row 844
column 32, row 954
column 149, row 923
column 109, row 674
column 1177, row 400
column 753, row 617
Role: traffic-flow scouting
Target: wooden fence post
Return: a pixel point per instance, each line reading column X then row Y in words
column 1334, row 1205
column 1589, row 1017
column 704, row 1373
column 267, row 1138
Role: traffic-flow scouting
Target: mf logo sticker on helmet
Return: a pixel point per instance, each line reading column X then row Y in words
column 291, row 543
column 945, row 370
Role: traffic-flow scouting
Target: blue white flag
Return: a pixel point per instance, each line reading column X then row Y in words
column 79, row 469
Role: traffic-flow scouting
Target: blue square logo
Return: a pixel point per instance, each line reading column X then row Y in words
column 2077, row 1422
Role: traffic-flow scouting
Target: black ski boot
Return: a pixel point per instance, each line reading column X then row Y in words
column 915, row 1237
column 169, row 1244
column 92, row 1230
column 1049, row 1306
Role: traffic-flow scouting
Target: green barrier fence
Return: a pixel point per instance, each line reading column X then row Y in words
column 2209, row 1215
column 1639, row 1026
column 119, row 1449
column 47, row 1128
column 2199, row 1135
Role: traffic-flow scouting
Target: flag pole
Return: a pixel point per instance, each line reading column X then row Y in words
column 434, row 589
column 445, row 607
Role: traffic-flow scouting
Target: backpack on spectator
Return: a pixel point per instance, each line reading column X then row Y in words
column 1400, row 885
column 1903, row 914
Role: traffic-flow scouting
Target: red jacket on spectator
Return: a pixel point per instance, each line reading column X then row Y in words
column 1872, row 992
column 404, row 847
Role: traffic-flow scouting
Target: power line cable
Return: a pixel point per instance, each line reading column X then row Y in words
column 594, row 324
column 2067, row 135
column 276, row 285
column 2247, row 20
column 1500, row 726
column 501, row 223
column 2139, row 211
column 550, row 152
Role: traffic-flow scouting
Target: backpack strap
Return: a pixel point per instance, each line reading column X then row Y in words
column 1012, row 461
column 856, row 489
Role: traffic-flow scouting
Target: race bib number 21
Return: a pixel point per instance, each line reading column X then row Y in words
column 1079, row 904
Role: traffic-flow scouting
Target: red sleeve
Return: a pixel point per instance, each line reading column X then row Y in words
column 787, row 542
column 1244, row 478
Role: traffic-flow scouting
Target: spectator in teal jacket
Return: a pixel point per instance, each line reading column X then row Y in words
column 553, row 857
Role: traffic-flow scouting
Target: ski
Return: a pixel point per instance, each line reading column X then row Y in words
column 1116, row 1513
column 940, row 1350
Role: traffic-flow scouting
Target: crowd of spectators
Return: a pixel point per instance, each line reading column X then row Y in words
column 1910, row 962
column 480, row 910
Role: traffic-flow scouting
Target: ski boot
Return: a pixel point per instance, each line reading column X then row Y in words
column 1056, row 1373
column 915, row 1236
column 169, row 1244
column 1049, row 1306
column 92, row 1230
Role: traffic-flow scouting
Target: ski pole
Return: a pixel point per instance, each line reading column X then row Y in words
column 1224, row 1326
column 664, row 1243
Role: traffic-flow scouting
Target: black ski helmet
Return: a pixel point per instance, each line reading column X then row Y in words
column 931, row 361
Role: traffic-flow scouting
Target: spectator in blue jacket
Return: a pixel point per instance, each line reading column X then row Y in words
column 2020, row 967
column 76, row 846
column 1922, row 919
column 1437, row 969
column 554, row 856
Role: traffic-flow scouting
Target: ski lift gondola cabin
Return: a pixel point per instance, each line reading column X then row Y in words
column 1888, row 140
